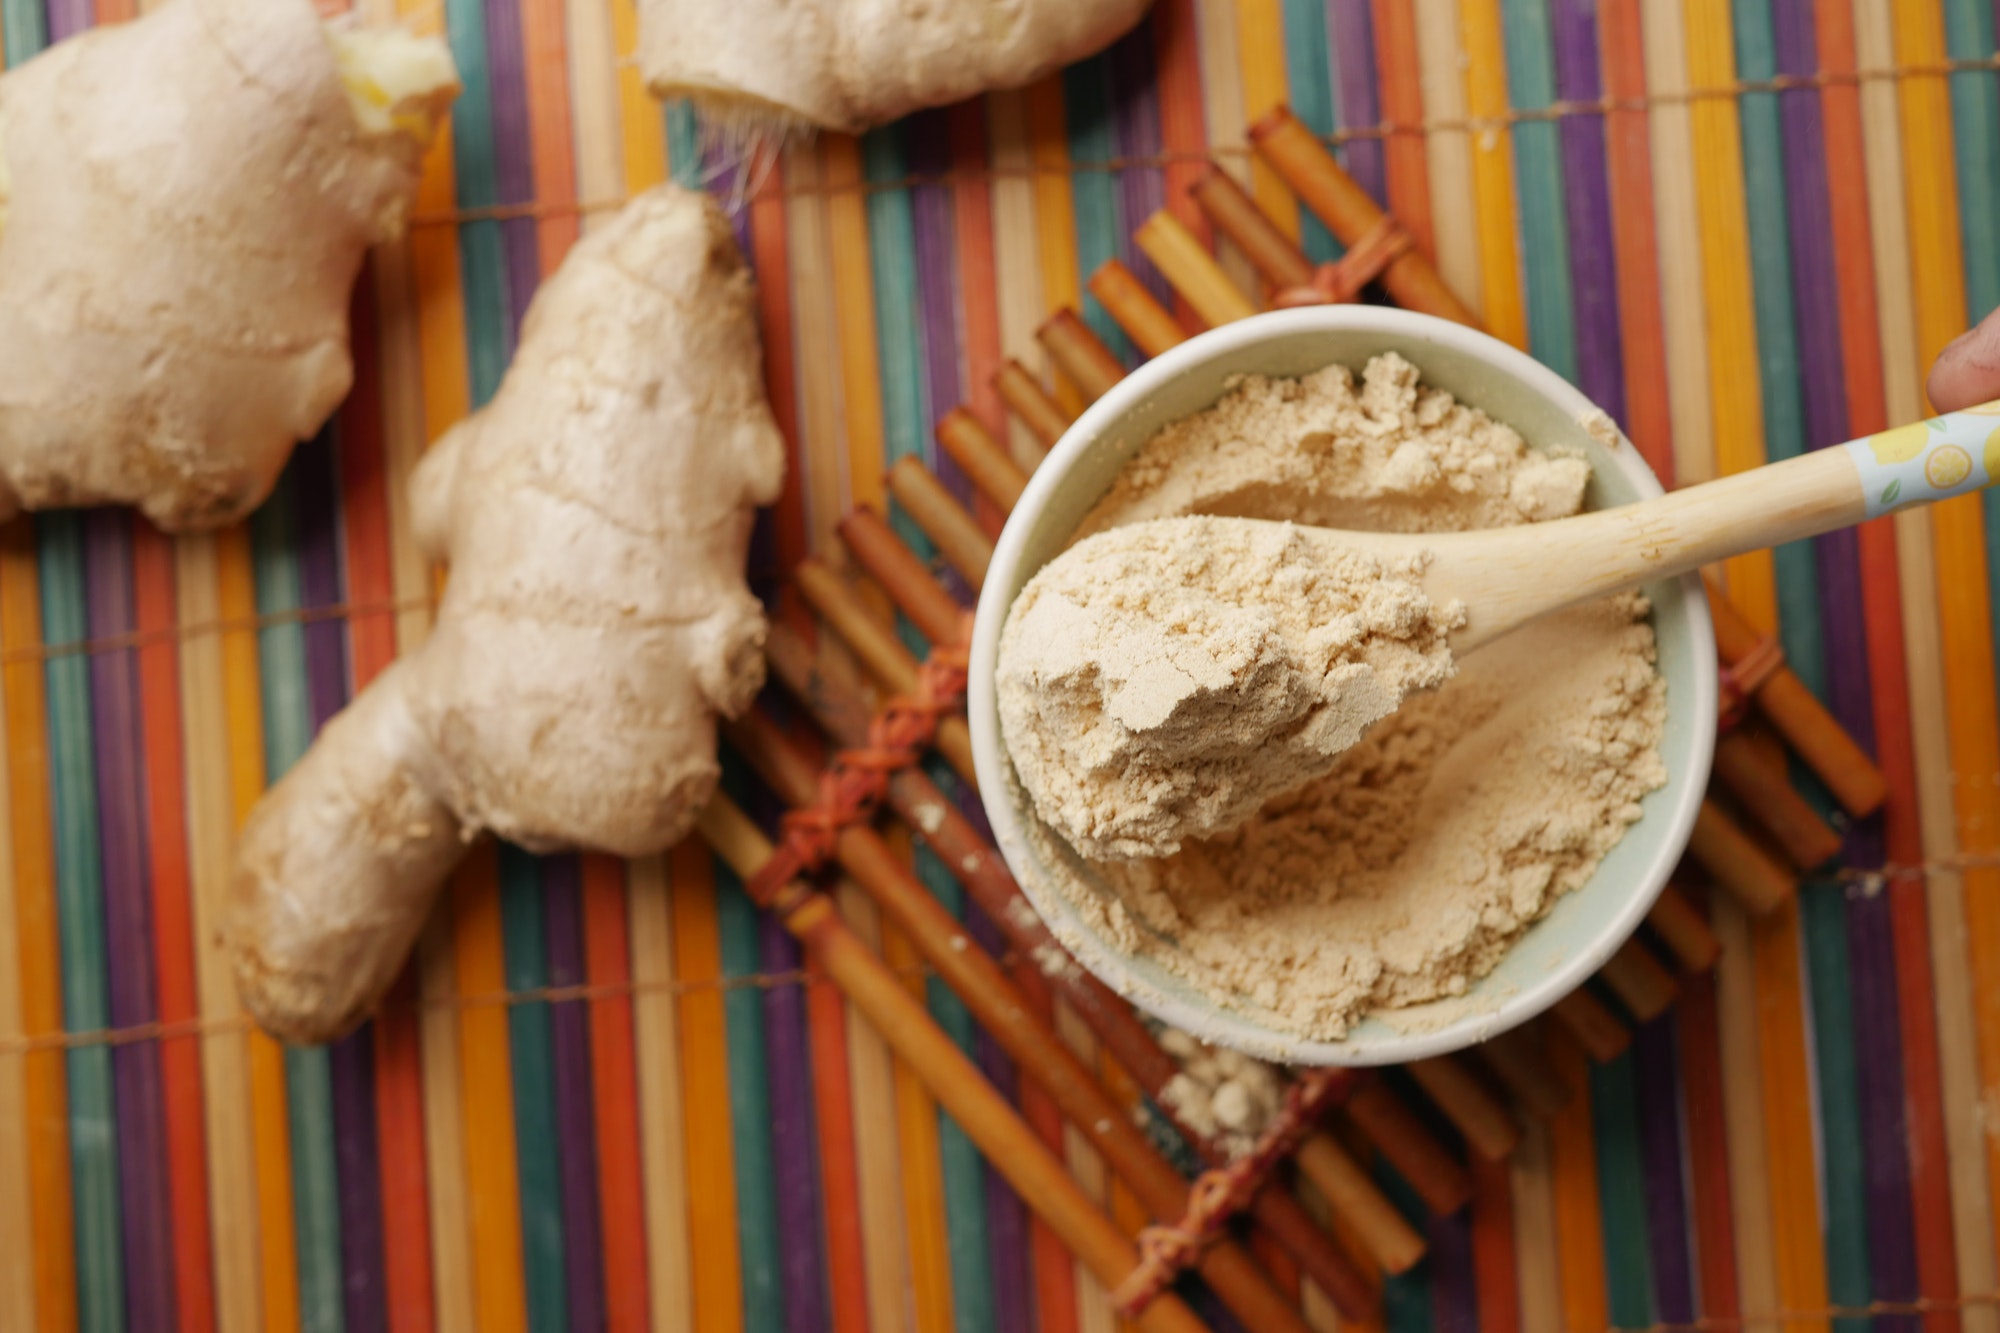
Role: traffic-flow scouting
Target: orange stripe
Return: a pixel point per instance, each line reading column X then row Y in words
column 833, row 1103
column 923, row 1168
column 711, row 1161
column 1177, row 62
column 173, row 925
column 1648, row 416
column 1494, row 1273
column 1573, row 1174
column 615, row 1095
column 545, row 45
column 1055, row 211
column 270, row 1122
column 486, row 1068
column 35, row 918
column 1501, row 303
column 1788, row 1130
column 1055, row 1270
column 1401, row 93
column 854, row 302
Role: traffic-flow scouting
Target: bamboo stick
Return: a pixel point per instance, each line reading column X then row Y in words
column 971, row 446
column 1684, row 931
column 958, row 536
column 1640, row 981
column 917, row 800
column 1753, row 875
column 1349, row 213
column 1150, row 325
column 1041, row 1181
column 1193, row 272
column 1516, row 1056
column 1489, row 1130
column 881, row 653
column 1001, row 1009
column 1593, row 1025
column 1437, row 1178
column 1768, row 794
column 1087, row 363
column 1027, row 400
column 1389, row 1239
column 1820, row 741
column 1236, row 215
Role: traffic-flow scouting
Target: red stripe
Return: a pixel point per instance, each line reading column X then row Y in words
column 1635, row 243
column 399, row 1092
column 1055, row 1269
column 1708, row 1148
column 1400, row 93
column 1493, row 1263
column 173, row 925
column 614, row 1077
column 1183, row 127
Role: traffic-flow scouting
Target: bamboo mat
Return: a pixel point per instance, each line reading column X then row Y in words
column 608, row 1096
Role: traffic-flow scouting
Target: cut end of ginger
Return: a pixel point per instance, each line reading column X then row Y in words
column 396, row 81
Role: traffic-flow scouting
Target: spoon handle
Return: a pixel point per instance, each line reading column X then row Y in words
column 1613, row 550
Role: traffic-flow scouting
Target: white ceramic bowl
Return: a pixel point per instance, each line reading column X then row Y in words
column 1585, row 927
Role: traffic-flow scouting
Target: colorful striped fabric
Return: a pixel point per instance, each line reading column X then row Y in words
column 614, row 1096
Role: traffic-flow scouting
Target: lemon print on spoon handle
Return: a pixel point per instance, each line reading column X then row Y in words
column 1929, row 460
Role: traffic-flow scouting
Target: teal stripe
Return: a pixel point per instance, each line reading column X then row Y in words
column 683, row 143
column 1829, row 992
column 1406, row 1296
column 93, row 1120
column 1975, row 114
column 483, row 274
column 287, row 713
column 24, row 26
column 1093, row 190
column 531, row 1046
column 1538, row 172
column 1310, row 78
column 1621, row 1192
column 750, row 1110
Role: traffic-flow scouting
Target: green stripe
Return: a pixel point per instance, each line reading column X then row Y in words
column 1544, row 224
column 1822, row 921
column 287, row 710
column 1310, row 79
column 750, row 1110
column 93, row 1122
column 531, row 1046
column 481, row 262
column 1621, row 1192
column 24, row 27
column 683, row 143
column 1093, row 189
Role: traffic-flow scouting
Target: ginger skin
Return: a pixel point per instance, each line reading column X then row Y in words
column 596, row 516
column 185, row 201
column 849, row 65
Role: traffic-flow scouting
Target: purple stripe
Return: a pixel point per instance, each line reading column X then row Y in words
column 1600, row 371
column 1658, row 1079
column 1350, row 29
column 1135, row 131
column 576, row 1127
column 1878, row 1044
column 1006, row 1219
column 513, row 157
column 350, row 1062
column 927, row 155
column 794, row 1145
column 67, row 18
column 128, row 922
column 1454, row 1283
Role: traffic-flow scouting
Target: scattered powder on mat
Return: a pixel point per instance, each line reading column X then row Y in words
column 1220, row 1094
column 1406, row 872
column 1162, row 681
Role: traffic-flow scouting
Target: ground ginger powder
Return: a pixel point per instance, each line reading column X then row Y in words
column 1404, row 873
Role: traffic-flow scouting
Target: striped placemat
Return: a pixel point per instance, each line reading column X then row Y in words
column 612, row 1095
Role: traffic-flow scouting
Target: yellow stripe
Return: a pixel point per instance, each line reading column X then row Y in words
column 877, row 1159
column 1678, row 230
column 662, row 1125
column 808, row 252
column 1093, row 1302
column 923, row 1168
column 225, row 1054
column 1441, row 60
column 270, row 1125
column 854, row 302
column 1725, row 249
column 1055, row 215
column 1227, row 126
column 1260, row 54
column 1016, row 253
column 1501, row 302
column 717, row 1289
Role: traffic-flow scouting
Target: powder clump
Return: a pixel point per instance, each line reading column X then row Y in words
column 1162, row 681
column 1404, row 874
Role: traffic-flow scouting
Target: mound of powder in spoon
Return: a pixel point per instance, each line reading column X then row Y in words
column 1405, row 872
column 1162, row 681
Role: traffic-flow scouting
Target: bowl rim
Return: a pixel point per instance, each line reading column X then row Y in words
column 1209, row 1022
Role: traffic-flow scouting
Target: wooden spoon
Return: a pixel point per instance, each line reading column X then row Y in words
column 1507, row 577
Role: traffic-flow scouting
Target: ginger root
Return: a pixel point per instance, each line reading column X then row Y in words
column 185, row 201
column 596, row 516
column 848, row 65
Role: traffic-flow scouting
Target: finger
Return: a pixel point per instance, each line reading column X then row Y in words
column 1968, row 370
